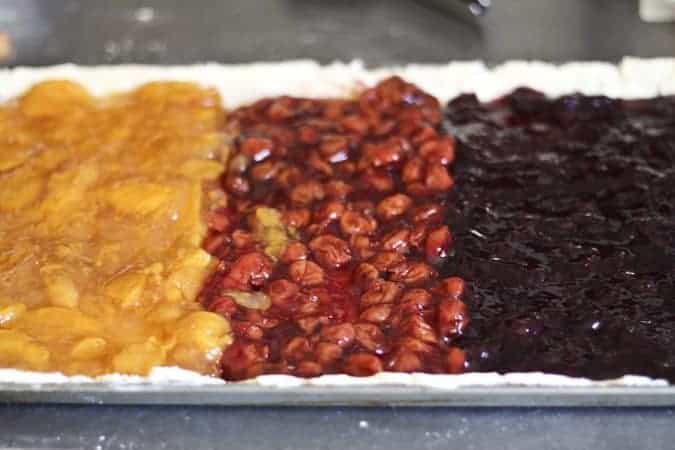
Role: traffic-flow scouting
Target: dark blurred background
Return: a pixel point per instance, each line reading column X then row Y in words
column 40, row 32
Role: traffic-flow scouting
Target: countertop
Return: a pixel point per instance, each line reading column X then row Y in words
column 197, row 428
column 379, row 32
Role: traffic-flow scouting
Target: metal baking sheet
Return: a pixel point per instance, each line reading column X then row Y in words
column 50, row 31
column 373, row 396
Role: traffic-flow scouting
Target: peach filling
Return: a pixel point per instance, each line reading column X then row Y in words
column 102, row 205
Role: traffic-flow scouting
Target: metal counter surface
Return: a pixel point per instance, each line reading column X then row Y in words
column 379, row 32
column 197, row 428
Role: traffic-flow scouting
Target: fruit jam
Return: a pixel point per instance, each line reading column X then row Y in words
column 563, row 216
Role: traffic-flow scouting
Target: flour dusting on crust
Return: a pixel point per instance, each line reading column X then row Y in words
column 174, row 376
column 240, row 84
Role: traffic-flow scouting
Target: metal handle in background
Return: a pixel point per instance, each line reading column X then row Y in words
column 465, row 8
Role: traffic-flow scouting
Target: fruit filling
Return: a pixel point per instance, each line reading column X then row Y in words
column 564, row 222
column 335, row 228
column 101, row 229
column 319, row 236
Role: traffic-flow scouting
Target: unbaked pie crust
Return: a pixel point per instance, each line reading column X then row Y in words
column 106, row 182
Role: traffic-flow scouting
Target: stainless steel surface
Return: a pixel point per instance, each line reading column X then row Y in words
column 243, row 394
column 378, row 31
column 462, row 8
column 254, row 428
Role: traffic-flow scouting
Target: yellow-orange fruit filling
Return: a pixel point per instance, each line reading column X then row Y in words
column 101, row 224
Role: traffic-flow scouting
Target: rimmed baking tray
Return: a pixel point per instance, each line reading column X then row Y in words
column 243, row 394
column 378, row 395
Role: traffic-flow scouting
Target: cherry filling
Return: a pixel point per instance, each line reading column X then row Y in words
column 333, row 237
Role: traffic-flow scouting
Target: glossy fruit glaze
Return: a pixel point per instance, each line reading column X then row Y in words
column 332, row 237
column 564, row 226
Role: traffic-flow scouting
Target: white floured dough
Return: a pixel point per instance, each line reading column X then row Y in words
column 239, row 84
column 181, row 377
column 174, row 376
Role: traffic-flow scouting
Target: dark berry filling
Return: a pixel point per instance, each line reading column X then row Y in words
column 563, row 217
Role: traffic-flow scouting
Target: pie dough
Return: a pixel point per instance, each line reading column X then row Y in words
column 240, row 84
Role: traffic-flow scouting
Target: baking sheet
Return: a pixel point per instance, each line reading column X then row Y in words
column 99, row 50
column 372, row 396
column 608, row 78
